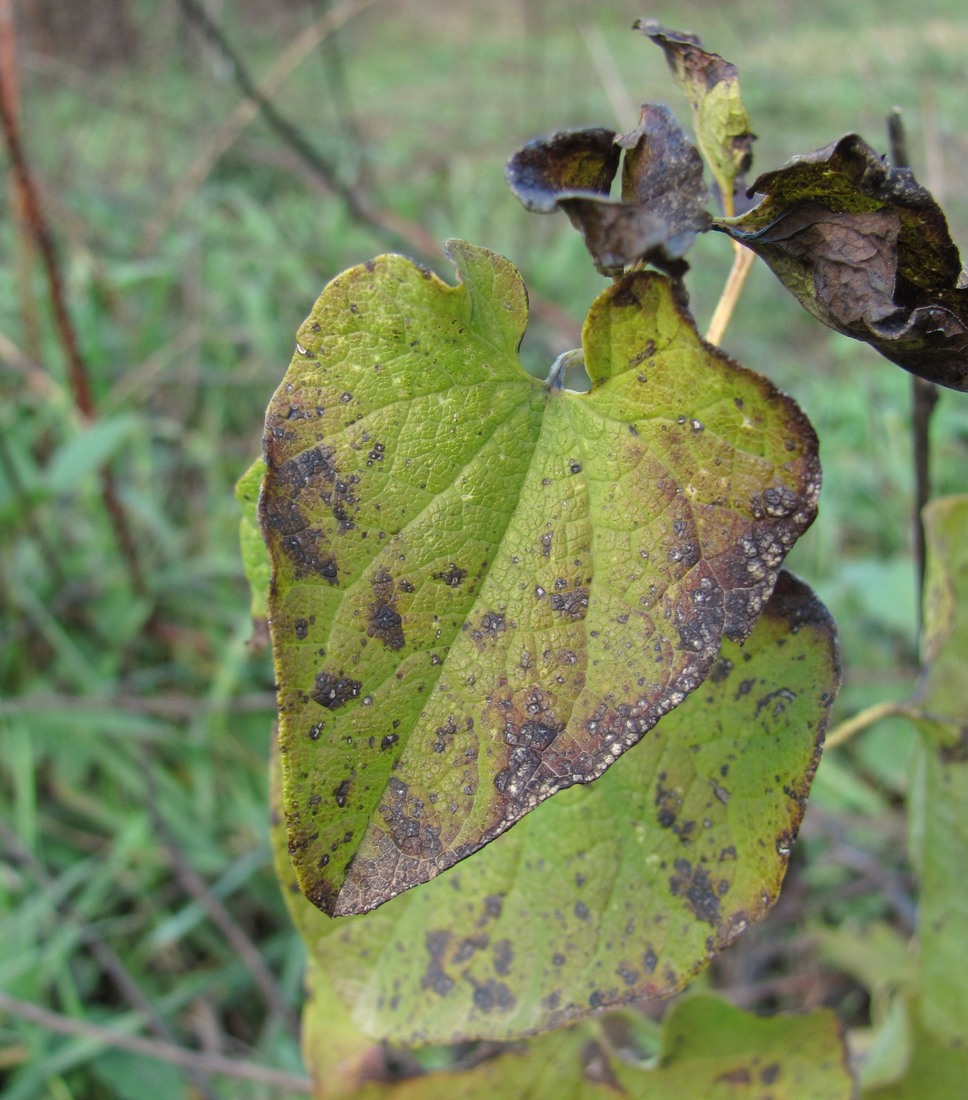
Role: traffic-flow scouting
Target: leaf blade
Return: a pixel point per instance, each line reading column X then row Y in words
column 475, row 575
column 615, row 891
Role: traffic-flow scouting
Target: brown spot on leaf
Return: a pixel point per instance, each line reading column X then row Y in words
column 693, row 885
column 403, row 816
column 493, row 995
column 739, row 1076
column 572, row 605
column 453, row 575
column 385, row 622
column 334, row 690
column 435, row 977
column 492, row 623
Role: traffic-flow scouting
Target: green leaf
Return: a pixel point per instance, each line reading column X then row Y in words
column 663, row 195
column 940, row 843
column 943, row 691
column 867, row 251
column 255, row 560
column 709, row 1050
column 486, row 588
column 719, row 117
column 615, row 891
column 937, row 1070
column 715, row 1051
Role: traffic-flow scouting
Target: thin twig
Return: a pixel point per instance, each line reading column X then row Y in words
column 742, row 263
column 211, row 1064
column 27, row 367
column 256, row 97
column 924, row 397
column 105, row 955
column 607, row 69
column 273, row 117
column 400, row 232
column 862, row 720
column 78, row 373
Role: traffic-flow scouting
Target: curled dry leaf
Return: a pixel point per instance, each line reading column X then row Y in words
column 719, row 117
column 867, row 251
column 486, row 588
column 662, row 206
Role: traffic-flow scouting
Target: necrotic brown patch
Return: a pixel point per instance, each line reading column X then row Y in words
column 334, row 690
column 385, row 622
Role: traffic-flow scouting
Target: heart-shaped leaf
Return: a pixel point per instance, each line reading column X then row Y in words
column 615, row 891
column 486, row 588
column 867, row 251
column 662, row 207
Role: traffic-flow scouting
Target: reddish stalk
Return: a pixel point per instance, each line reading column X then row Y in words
column 78, row 373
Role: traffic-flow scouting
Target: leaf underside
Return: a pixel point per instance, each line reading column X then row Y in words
column 485, row 589
column 867, row 251
column 608, row 893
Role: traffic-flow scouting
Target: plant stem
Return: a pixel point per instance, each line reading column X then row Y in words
column 924, row 397
column 77, row 369
column 212, row 1064
column 861, row 721
column 742, row 262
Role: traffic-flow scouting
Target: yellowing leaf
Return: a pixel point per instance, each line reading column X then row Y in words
column 612, row 892
column 486, row 588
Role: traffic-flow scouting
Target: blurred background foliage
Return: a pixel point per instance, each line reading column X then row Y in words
column 136, row 887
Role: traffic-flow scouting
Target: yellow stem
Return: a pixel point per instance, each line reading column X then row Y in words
column 742, row 262
column 860, row 721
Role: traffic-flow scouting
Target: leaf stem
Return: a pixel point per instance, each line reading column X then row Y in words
column 742, row 262
column 924, row 397
column 861, row 721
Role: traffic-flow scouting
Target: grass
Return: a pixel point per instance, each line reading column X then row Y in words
column 134, row 725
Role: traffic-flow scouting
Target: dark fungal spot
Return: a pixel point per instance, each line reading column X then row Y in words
column 334, row 690
column 385, row 622
column 435, row 977
column 573, row 605
column 403, row 817
column 453, row 575
column 693, row 885
column 341, row 792
column 503, row 953
column 493, row 995
column 492, row 624
column 769, row 1074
